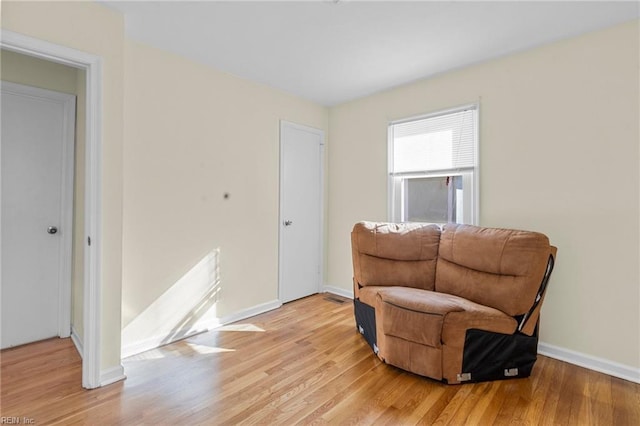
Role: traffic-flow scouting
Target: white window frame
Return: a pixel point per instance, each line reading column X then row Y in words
column 395, row 192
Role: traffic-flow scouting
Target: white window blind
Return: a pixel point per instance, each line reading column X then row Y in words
column 441, row 142
column 433, row 169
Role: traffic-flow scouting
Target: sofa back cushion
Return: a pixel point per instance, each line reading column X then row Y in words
column 395, row 254
column 500, row 268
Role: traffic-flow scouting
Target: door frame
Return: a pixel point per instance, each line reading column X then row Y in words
column 66, row 193
column 281, row 218
column 92, row 65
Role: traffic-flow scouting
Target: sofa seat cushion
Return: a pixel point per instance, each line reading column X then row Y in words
column 431, row 318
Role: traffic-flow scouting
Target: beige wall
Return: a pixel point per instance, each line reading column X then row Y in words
column 94, row 29
column 559, row 141
column 192, row 134
column 30, row 71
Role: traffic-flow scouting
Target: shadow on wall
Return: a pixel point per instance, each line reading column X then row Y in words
column 186, row 308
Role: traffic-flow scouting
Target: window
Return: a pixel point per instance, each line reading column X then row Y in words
column 433, row 168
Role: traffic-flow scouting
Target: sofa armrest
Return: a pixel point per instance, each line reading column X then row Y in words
column 529, row 322
column 356, row 289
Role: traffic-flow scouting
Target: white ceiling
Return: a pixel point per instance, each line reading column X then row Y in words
column 331, row 52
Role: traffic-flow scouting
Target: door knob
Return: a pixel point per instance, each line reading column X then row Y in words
column 52, row 230
column 288, row 223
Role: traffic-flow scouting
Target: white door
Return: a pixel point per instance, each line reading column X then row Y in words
column 36, row 221
column 301, row 150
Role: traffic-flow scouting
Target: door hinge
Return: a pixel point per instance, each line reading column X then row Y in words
column 89, row 241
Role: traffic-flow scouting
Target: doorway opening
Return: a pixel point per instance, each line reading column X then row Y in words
column 91, row 65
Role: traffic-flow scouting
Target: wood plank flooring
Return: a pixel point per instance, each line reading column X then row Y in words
column 301, row 364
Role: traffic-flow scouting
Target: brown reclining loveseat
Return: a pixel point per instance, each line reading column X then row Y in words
column 460, row 304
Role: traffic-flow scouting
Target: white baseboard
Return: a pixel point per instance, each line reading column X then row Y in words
column 337, row 290
column 156, row 341
column 112, row 375
column 250, row 312
column 77, row 341
column 601, row 365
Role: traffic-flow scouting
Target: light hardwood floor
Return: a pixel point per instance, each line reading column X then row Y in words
column 303, row 363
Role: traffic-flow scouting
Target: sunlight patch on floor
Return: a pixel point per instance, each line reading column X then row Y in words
column 207, row 350
column 148, row 355
column 239, row 327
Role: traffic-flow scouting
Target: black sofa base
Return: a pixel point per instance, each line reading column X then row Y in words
column 366, row 322
column 496, row 356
